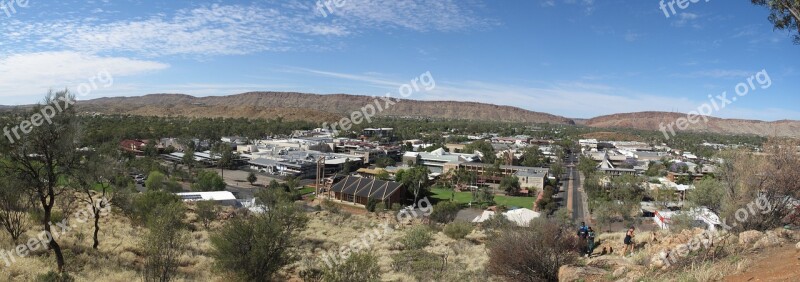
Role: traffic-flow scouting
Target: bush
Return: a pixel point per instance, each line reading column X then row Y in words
column 145, row 204
column 422, row 265
column 497, row 222
column 417, row 237
column 445, row 212
column 165, row 242
column 359, row 267
column 371, row 205
column 517, row 254
column 206, row 212
column 458, row 230
column 330, row 206
column 257, row 246
column 209, row 181
column 53, row 276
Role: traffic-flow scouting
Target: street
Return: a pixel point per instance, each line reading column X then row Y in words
column 575, row 196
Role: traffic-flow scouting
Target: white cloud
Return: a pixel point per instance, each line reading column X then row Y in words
column 33, row 74
column 235, row 29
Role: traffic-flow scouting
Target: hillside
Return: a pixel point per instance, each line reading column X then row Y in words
column 652, row 121
column 311, row 107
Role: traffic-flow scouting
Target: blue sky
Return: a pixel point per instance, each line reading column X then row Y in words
column 576, row 58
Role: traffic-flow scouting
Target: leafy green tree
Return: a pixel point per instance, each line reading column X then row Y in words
column 784, row 15
column 255, row 247
column 252, row 178
column 586, row 165
column 557, row 169
column 146, row 204
column 709, row 193
column 510, row 184
column 383, row 175
column 208, row 181
column 155, row 181
column 484, row 147
column 188, row 158
column 384, row 161
column 532, row 157
column 415, row 180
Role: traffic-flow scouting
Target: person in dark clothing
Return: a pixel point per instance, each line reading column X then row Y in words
column 629, row 240
column 590, row 242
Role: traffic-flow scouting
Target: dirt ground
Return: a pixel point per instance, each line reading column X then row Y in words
column 780, row 264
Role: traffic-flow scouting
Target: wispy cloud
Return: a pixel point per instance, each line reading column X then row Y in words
column 237, row 29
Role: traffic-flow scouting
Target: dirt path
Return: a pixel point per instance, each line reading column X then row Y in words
column 772, row 265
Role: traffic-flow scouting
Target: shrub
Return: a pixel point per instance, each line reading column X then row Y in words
column 208, row 181
column 517, row 254
column 359, row 267
column 53, row 276
column 257, row 246
column 165, row 242
column 206, row 212
column 371, row 205
column 145, row 204
column 420, row 264
column 497, row 222
column 330, row 206
column 458, row 230
column 417, row 237
column 445, row 212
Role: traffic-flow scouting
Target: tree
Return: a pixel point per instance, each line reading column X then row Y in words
column 532, row 253
column 165, row 242
column 383, row 175
column 252, row 178
column 96, row 173
column 224, row 156
column 206, row 212
column 485, row 148
column 13, row 213
column 532, row 157
column 208, row 181
column 155, row 181
column 39, row 159
column 384, row 161
column 188, row 158
column 557, row 169
column 586, row 165
column 255, row 247
column 510, row 184
column 784, row 15
column 415, row 180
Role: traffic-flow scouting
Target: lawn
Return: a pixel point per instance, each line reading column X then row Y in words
column 466, row 197
column 306, row 190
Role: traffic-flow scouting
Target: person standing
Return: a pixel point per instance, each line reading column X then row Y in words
column 629, row 240
column 583, row 232
column 590, row 243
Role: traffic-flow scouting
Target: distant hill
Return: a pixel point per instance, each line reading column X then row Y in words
column 652, row 121
column 321, row 108
column 293, row 106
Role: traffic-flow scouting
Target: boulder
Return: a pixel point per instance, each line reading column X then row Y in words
column 797, row 246
column 619, row 272
column 769, row 240
column 750, row 236
column 576, row 273
column 608, row 262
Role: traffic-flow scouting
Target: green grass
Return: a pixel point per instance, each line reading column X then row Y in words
column 466, row 197
column 306, row 190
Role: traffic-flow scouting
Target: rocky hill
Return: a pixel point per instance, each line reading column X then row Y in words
column 653, row 120
column 309, row 106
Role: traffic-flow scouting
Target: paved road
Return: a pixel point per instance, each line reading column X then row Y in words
column 578, row 212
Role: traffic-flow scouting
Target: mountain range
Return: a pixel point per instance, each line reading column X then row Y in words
column 331, row 107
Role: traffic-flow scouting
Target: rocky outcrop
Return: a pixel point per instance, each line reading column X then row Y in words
column 582, row 273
